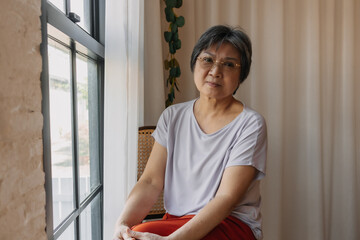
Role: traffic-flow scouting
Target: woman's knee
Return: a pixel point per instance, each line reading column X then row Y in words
column 158, row 227
column 145, row 227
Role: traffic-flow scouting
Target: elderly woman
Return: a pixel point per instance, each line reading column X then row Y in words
column 209, row 154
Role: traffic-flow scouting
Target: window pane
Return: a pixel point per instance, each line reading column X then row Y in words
column 90, row 221
column 88, row 124
column 83, row 9
column 60, row 131
column 68, row 234
column 60, row 4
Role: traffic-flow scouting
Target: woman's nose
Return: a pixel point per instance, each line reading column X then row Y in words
column 216, row 70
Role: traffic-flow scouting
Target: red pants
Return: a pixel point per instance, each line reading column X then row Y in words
column 231, row 228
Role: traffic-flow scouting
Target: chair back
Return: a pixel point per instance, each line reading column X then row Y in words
column 145, row 144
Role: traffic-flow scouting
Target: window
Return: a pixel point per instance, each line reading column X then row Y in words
column 81, row 8
column 72, row 86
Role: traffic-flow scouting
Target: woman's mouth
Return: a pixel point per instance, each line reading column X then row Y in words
column 212, row 84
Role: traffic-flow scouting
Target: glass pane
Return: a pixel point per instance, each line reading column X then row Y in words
column 60, row 4
column 88, row 124
column 90, row 221
column 83, row 9
column 68, row 234
column 60, row 131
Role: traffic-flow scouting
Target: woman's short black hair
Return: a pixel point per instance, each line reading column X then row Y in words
column 225, row 34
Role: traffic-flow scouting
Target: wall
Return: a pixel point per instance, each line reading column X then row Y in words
column 22, row 193
column 154, row 92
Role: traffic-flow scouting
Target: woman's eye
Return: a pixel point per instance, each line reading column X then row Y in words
column 229, row 64
column 208, row 60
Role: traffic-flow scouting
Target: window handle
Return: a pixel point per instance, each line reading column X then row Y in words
column 74, row 17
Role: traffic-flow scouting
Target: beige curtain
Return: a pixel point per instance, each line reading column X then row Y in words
column 305, row 80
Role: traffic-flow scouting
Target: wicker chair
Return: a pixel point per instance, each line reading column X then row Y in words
column 145, row 144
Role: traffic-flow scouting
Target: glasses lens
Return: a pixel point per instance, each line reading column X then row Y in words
column 209, row 62
column 228, row 65
column 206, row 62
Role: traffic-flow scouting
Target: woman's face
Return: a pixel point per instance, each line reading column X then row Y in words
column 221, row 80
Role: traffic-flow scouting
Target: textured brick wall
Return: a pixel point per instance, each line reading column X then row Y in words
column 22, row 193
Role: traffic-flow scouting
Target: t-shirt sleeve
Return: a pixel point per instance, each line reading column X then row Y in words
column 250, row 147
column 161, row 132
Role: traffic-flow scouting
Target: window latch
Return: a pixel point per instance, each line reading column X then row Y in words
column 74, row 17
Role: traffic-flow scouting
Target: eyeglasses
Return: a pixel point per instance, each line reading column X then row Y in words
column 210, row 62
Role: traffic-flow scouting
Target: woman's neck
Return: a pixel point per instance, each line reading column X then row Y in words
column 211, row 106
column 212, row 115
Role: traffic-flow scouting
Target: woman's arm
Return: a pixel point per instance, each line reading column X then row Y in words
column 234, row 184
column 145, row 192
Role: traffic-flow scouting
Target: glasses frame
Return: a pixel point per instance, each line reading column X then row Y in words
column 221, row 63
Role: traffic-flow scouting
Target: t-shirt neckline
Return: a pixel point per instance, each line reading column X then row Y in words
column 221, row 129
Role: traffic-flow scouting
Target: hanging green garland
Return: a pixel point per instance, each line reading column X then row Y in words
column 172, row 37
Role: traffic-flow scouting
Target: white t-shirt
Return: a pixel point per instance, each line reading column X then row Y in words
column 196, row 161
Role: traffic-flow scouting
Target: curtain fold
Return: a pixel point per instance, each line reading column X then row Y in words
column 123, row 103
column 305, row 80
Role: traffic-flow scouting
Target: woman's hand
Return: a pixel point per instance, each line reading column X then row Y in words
column 144, row 236
column 120, row 233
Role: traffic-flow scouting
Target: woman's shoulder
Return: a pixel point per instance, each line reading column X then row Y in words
column 179, row 107
column 252, row 116
column 252, row 125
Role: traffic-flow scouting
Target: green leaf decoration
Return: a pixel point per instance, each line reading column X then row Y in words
column 171, row 3
column 180, row 21
column 172, row 37
column 174, row 63
column 177, row 72
column 166, row 64
column 178, row 3
column 178, row 44
column 168, row 103
column 175, row 36
column 170, row 16
column 176, row 87
column 173, row 72
column 174, row 28
column 172, row 49
column 168, row 36
column 171, row 95
column 168, row 81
